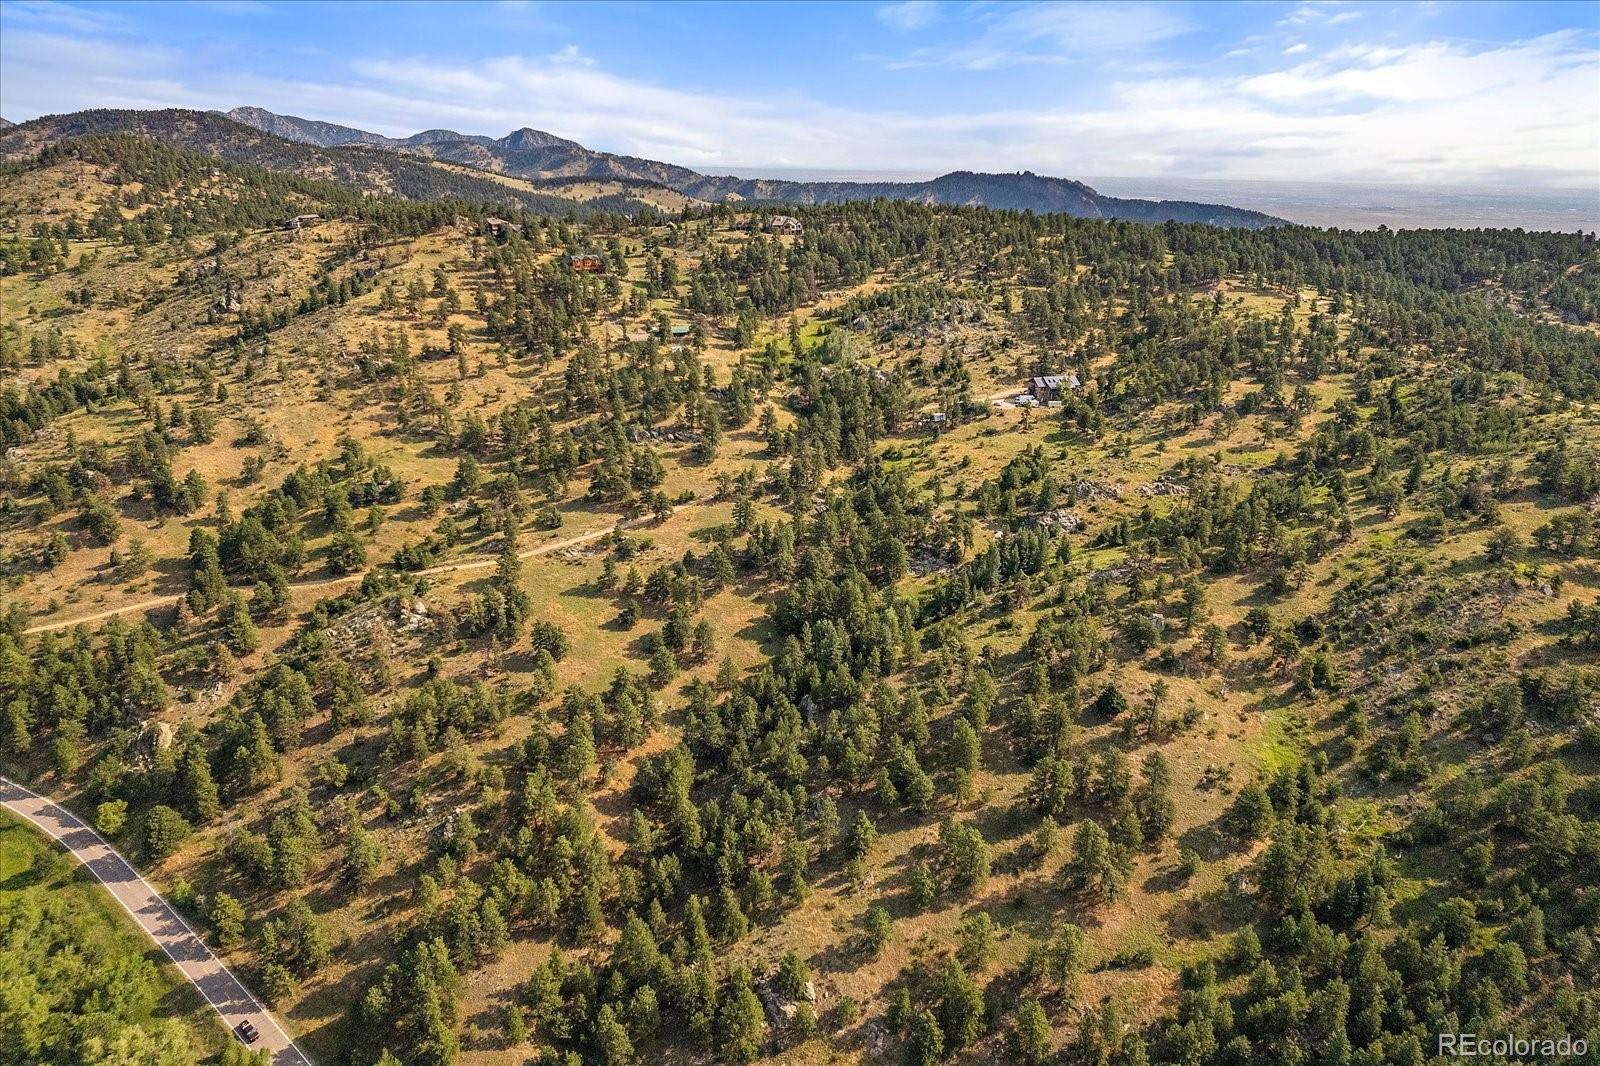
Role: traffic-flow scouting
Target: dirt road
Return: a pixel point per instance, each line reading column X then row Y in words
column 348, row 579
column 225, row 992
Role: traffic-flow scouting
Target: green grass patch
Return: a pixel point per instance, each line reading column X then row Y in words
column 1283, row 741
column 96, row 987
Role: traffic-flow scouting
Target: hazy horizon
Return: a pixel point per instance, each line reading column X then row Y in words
column 1367, row 205
column 1341, row 204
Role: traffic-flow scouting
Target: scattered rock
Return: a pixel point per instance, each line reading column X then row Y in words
column 780, row 1009
column 153, row 738
column 357, row 631
column 638, row 434
column 1123, row 571
column 1085, row 489
column 411, row 614
column 1164, row 486
column 942, row 322
column 1062, row 519
column 780, row 1012
column 443, row 824
column 876, row 1039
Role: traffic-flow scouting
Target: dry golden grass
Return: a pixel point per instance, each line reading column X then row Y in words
column 306, row 397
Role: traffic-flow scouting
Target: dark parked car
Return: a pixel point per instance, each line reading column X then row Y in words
column 247, row 1032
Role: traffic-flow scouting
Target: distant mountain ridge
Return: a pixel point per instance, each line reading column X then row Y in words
column 332, row 135
column 405, row 167
column 538, row 156
column 364, row 167
column 303, row 130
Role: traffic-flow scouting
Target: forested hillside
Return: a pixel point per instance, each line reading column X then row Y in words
column 360, row 169
column 706, row 655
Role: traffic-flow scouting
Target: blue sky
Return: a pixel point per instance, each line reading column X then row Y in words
column 1440, row 93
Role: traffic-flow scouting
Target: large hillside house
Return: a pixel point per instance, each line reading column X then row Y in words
column 301, row 221
column 587, row 264
column 1048, row 387
column 785, row 224
column 498, row 228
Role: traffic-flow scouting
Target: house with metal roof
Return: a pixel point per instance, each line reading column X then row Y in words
column 1049, row 387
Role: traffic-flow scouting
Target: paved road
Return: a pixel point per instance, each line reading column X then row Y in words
column 225, row 992
column 348, row 579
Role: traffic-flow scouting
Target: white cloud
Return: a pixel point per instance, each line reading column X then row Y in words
column 1432, row 112
column 1053, row 33
column 1441, row 112
column 909, row 14
column 572, row 54
column 59, row 16
column 1320, row 12
column 1441, row 73
column 1096, row 27
column 1296, row 48
column 46, row 72
column 1429, row 112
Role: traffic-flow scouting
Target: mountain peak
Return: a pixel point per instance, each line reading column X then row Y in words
column 527, row 138
column 444, row 137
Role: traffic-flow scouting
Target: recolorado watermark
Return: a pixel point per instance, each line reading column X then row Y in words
column 1472, row 1046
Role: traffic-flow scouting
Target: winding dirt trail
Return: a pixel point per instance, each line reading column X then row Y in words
column 228, row 996
column 485, row 563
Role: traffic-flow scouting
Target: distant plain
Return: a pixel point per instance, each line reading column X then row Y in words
column 1345, row 205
